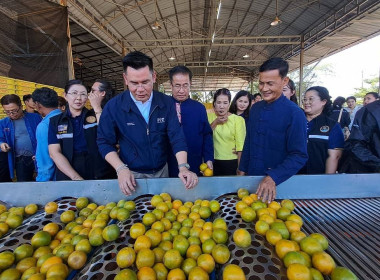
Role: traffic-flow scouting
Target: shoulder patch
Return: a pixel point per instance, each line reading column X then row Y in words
column 91, row 119
column 324, row 128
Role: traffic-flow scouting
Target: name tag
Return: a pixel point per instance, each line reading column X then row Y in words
column 62, row 128
column 324, row 137
column 130, row 123
column 160, row 120
column 64, row 135
column 86, row 126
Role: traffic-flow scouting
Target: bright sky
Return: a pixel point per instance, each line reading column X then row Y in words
column 350, row 66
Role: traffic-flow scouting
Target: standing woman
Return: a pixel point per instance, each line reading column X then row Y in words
column 72, row 139
column 325, row 140
column 290, row 91
column 241, row 104
column 228, row 135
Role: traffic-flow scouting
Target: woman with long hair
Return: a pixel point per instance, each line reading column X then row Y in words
column 290, row 91
column 241, row 104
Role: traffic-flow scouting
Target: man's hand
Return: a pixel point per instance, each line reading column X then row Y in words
column 127, row 181
column 5, row 147
column 188, row 178
column 267, row 190
column 95, row 101
column 210, row 165
column 240, row 173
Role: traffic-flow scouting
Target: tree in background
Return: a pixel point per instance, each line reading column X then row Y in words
column 370, row 84
column 203, row 97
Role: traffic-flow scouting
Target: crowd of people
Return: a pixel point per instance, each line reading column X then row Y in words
column 142, row 133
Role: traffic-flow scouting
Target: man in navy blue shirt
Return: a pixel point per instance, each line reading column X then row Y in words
column 193, row 118
column 275, row 145
column 142, row 122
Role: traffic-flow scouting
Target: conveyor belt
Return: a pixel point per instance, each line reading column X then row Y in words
column 352, row 227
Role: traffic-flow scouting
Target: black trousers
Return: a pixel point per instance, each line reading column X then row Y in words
column 225, row 167
column 4, row 168
column 24, row 166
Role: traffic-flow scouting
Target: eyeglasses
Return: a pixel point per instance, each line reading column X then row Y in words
column 12, row 112
column 184, row 87
column 76, row 94
column 310, row 100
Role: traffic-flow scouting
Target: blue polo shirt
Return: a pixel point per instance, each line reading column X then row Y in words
column 275, row 143
column 335, row 138
column 79, row 140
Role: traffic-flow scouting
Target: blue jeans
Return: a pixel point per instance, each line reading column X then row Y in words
column 24, row 168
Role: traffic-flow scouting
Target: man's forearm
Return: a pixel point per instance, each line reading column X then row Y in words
column 113, row 159
column 181, row 157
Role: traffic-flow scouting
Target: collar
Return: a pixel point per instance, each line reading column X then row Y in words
column 140, row 102
column 53, row 112
column 82, row 114
column 127, row 100
column 180, row 102
column 279, row 100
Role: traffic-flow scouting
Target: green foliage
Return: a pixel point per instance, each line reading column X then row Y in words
column 203, row 97
column 370, row 84
column 253, row 87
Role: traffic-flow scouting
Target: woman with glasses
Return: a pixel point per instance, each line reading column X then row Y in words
column 72, row 139
column 228, row 135
column 325, row 140
column 18, row 138
column 241, row 104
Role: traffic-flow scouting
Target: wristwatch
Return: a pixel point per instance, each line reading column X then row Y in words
column 184, row 165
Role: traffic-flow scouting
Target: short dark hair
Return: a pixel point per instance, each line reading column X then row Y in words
column 61, row 101
column 338, row 102
column 11, row 98
column 233, row 106
column 47, row 97
column 221, row 91
column 180, row 69
column 26, row 97
column 323, row 94
column 374, row 94
column 137, row 60
column 255, row 95
column 107, row 87
column 351, row 97
column 71, row 83
column 275, row 63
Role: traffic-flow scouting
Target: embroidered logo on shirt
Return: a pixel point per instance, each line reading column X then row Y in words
column 130, row 123
column 324, row 128
column 90, row 119
column 62, row 128
column 160, row 120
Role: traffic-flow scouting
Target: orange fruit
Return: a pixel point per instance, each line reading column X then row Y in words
column 267, row 218
column 240, row 205
column 258, row 205
column 14, row 220
column 173, row 259
column 198, row 273
column 188, row 265
column 340, row 273
column 310, row 245
column 281, row 228
column 40, row 238
column 161, row 271
column 283, row 213
column 242, row 192
column 181, row 244
column 321, row 239
column 3, row 228
column 49, row 262
column 146, row 273
column 41, row 251
column 130, row 205
column 219, row 223
column 95, row 236
column 208, row 245
column 298, row 271
column 166, row 197
column 125, row 257
column 122, row 214
column 159, row 254
column 99, row 223
column 176, row 274
column 193, row 240
column 137, row 230
column 51, row 228
column 84, row 246
column 274, row 205
column 181, row 217
column 23, row 251
column 162, row 206
column 111, row 232
column 297, row 236
column 26, row 263
column 31, row 209
column 29, row 272
column 273, row 236
column 233, row 272
column 315, row 274
column 194, row 251
column 323, row 262
column 126, row 274
column 10, row 274
column 85, row 212
column 67, row 239
column 43, row 258
column 206, row 262
column 220, row 236
column 158, row 213
column 195, row 232
column 284, row 246
column 177, row 203
column 51, row 207
column 287, row 203
column 242, row 238
column 295, row 218
column 307, row 258
column 81, row 203
column 155, row 200
column 208, row 172
column 261, row 227
column 199, row 223
column 64, row 251
column 59, row 270
column 113, row 213
column 142, row 242
column 203, row 166
column 145, row 258
column 294, row 257
column 38, row 276
column 154, row 236
column 4, row 216
column 77, row 259
column 248, row 214
column 220, row 253
column 3, row 208
column 92, row 206
column 148, row 219
column 247, row 200
column 166, row 236
column 292, row 226
column 166, row 245
column 67, row 216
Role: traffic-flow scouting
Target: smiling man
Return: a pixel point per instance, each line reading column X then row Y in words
column 275, row 144
column 142, row 122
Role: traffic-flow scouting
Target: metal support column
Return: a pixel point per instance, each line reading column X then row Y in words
column 300, row 89
column 70, row 61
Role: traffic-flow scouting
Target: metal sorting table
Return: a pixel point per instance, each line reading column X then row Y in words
column 343, row 207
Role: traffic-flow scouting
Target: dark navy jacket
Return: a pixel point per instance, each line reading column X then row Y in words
column 7, row 135
column 275, row 143
column 143, row 147
column 198, row 134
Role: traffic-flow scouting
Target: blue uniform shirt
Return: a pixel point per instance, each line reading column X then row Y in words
column 45, row 165
column 144, row 108
column 335, row 138
column 275, row 144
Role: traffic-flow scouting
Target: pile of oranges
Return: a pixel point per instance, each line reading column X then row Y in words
column 13, row 217
column 303, row 256
column 175, row 241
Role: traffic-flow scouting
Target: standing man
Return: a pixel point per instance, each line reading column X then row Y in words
column 275, row 145
column 29, row 104
column 142, row 121
column 352, row 108
column 193, row 119
column 46, row 101
column 18, row 138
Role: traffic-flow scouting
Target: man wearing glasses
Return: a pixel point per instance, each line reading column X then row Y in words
column 193, row 119
column 142, row 122
column 18, row 138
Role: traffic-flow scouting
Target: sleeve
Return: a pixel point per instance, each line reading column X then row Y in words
column 360, row 137
column 2, row 136
column 106, row 134
column 52, row 135
column 244, row 160
column 208, row 143
column 296, row 143
column 336, row 138
column 174, row 130
column 240, row 133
